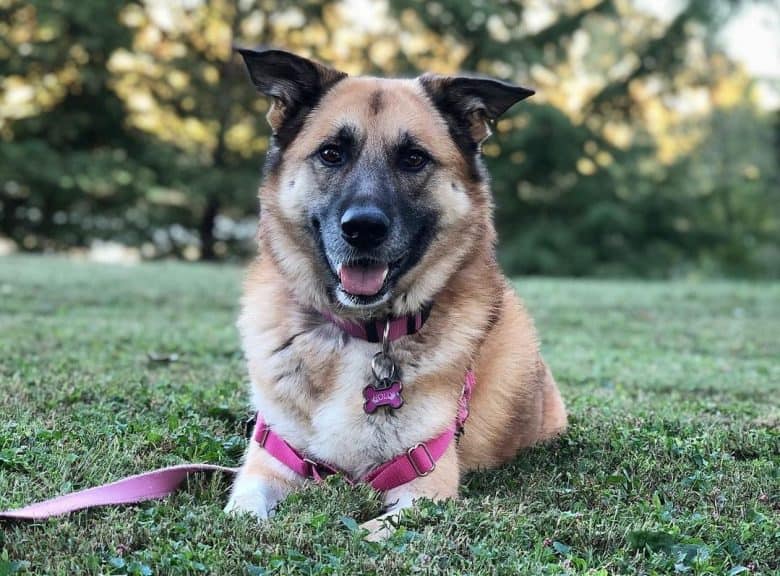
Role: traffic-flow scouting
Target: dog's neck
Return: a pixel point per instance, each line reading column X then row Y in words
column 373, row 330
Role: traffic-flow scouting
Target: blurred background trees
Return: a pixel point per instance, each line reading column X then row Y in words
column 647, row 151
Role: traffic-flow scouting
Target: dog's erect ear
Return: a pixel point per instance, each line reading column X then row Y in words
column 472, row 102
column 293, row 82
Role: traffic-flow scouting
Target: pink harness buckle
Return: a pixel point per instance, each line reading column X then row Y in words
column 318, row 471
column 430, row 466
column 262, row 437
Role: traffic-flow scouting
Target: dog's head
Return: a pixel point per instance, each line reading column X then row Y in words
column 374, row 190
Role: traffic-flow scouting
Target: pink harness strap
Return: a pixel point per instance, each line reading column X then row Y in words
column 287, row 455
column 419, row 460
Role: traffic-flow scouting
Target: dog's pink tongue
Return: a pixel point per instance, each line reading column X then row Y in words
column 363, row 280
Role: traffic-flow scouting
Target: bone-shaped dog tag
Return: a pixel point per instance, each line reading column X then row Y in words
column 388, row 393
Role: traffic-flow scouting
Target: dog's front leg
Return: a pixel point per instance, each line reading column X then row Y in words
column 261, row 483
column 441, row 483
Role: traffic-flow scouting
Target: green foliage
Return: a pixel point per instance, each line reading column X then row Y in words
column 634, row 215
column 77, row 171
column 715, row 212
column 176, row 174
column 670, row 464
column 734, row 182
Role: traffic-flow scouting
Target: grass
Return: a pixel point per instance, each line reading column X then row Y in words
column 670, row 465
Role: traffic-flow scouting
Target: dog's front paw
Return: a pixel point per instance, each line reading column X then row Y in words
column 251, row 496
column 384, row 526
column 379, row 529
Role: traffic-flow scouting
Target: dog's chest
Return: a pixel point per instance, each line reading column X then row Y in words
column 311, row 392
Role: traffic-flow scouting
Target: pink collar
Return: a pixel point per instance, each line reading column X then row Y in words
column 419, row 460
column 372, row 330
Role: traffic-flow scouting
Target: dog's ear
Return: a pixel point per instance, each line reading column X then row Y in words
column 294, row 83
column 472, row 103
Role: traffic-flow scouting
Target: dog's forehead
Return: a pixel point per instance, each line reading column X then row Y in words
column 379, row 109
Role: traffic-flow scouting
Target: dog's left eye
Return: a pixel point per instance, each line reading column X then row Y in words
column 331, row 155
column 413, row 160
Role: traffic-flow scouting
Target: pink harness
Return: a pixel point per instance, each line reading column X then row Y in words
column 418, row 461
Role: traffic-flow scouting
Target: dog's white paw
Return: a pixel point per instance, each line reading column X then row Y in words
column 382, row 527
column 379, row 529
column 251, row 496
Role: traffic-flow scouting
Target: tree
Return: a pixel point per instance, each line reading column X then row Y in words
column 145, row 130
column 69, row 168
column 579, row 171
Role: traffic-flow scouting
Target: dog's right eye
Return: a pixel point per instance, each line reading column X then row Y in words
column 331, row 155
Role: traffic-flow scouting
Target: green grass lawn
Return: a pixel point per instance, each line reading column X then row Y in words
column 671, row 463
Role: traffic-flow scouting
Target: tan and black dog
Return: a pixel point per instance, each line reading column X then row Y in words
column 375, row 204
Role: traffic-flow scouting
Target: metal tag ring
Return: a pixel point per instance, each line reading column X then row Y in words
column 386, row 338
column 378, row 369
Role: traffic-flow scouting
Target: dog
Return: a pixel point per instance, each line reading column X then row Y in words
column 375, row 318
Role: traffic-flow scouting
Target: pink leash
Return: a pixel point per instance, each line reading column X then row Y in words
column 131, row 490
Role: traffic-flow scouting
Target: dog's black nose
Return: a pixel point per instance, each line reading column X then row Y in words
column 364, row 226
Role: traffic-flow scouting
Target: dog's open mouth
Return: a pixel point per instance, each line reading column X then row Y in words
column 363, row 277
column 366, row 281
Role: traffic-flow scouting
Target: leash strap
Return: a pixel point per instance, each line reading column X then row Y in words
column 139, row 488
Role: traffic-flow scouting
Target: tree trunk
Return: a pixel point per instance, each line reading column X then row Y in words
column 207, row 228
column 218, row 159
column 8, row 221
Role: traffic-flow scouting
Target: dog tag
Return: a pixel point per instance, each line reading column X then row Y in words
column 388, row 393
